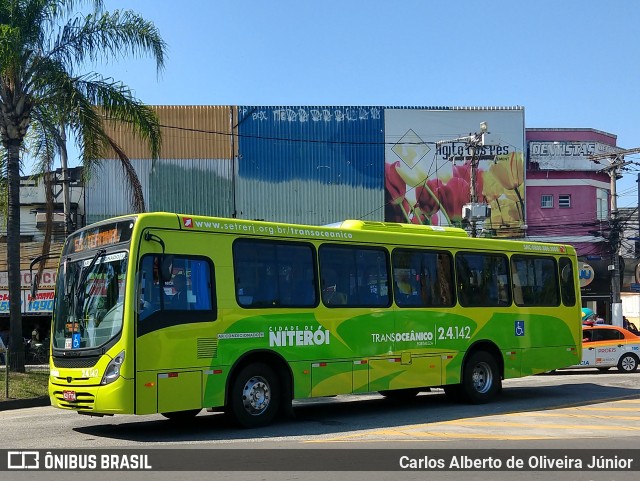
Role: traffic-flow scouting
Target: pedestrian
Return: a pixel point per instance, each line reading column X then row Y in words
column 630, row 326
column 35, row 334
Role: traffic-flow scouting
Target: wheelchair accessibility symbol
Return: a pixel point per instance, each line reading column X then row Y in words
column 76, row 340
column 519, row 328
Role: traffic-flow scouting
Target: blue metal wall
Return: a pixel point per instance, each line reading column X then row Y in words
column 310, row 165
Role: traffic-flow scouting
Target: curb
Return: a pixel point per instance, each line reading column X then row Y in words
column 5, row 405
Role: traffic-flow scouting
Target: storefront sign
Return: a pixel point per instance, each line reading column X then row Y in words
column 595, row 278
column 47, row 281
column 41, row 304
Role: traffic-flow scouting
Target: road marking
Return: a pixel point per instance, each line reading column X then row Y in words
column 437, row 436
column 595, row 426
column 535, row 424
column 634, row 410
column 584, row 416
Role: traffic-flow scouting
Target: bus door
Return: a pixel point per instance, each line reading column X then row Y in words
column 356, row 307
column 423, row 292
column 174, row 343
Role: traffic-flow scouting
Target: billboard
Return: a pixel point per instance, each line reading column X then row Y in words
column 568, row 155
column 428, row 159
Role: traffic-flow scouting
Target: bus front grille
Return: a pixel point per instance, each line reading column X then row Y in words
column 84, row 400
column 75, row 362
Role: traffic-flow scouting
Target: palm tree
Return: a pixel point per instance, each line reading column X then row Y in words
column 43, row 44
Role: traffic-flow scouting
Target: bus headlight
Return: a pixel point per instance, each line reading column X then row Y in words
column 113, row 369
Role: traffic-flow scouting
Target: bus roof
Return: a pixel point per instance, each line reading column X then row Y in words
column 356, row 230
column 403, row 228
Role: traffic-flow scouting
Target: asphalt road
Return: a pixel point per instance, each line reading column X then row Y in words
column 571, row 410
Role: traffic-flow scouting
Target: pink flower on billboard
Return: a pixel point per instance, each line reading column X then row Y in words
column 428, row 195
column 396, row 186
column 396, row 189
column 456, row 194
column 464, row 172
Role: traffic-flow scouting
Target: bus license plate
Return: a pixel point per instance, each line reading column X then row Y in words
column 69, row 395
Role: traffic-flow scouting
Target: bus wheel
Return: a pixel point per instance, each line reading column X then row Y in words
column 400, row 394
column 181, row 415
column 628, row 363
column 254, row 396
column 480, row 378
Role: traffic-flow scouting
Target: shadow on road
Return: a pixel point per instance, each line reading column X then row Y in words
column 347, row 413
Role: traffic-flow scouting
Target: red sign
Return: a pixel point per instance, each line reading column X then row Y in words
column 69, row 395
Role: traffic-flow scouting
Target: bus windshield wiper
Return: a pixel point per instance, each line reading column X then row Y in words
column 85, row 272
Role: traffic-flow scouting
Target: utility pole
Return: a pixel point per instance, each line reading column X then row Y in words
column 636, row 251
column 68, row 225
column 616, row 163
column 475, row 142
column 474, row 211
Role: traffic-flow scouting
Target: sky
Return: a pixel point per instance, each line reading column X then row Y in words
column 569, row 63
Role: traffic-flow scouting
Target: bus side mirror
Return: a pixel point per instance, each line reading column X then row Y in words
column 166, row 267
column 34, row 286
column 68, row 286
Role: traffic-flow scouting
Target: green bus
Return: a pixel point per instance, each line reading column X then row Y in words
column 168, row 313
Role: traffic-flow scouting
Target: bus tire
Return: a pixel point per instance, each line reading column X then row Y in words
column 628, row 363
column 181, row 415
column 480, row 378
column 401, row 394
column 255, row 396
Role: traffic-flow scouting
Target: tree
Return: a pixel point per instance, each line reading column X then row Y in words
column 43, row 44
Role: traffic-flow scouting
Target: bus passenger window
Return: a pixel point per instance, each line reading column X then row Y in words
column 270, row 274
column 179, row 298
column 534, row 281
column 407, row 290
column 483, row 279
column 422, row 278
column 330, row 293
column 188, row 289
column 354, row 276
column 150, row 294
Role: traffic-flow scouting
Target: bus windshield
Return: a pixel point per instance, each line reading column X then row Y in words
column 89, row 300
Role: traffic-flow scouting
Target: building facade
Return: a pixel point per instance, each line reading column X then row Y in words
column 322, row 164
column 568, row 201
column 36, row 312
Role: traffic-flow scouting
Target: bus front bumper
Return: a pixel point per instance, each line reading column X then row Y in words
column 113, row 398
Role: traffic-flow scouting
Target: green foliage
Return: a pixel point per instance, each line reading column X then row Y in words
column 24, row 385
column 44, row 46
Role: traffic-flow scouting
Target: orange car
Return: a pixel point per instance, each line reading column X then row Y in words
column 604, row 347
